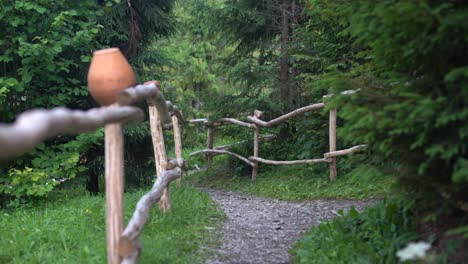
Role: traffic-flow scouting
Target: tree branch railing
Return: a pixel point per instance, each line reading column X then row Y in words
column 254, row 122
column 123, row 244
column 35, row 126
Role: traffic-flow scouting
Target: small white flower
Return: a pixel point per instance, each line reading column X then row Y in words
column 414, row 250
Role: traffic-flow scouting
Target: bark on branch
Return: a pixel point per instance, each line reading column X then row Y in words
column 224, row 152
column 343, row 152
column 149, row 93
column 220, row 122
column 290, row 162
column 34, row 126
column 266, row 138
column 280, row 119
column 137, row 94
column 129, row 244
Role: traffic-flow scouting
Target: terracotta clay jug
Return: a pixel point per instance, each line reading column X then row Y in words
column 109, row 73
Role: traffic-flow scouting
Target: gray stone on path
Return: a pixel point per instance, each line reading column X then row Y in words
column 262, row 230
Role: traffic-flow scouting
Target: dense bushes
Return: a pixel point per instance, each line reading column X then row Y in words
column 45, row 51
column 409, row 61
column 371, row 237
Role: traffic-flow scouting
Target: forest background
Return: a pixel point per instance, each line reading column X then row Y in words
column 408, row 59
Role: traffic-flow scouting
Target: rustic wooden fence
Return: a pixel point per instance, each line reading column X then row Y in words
column 254, row 122
column 34, row 126
column 123, row 244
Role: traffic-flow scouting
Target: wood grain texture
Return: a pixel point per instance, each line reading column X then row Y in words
column 159, row 147
column 114, row 171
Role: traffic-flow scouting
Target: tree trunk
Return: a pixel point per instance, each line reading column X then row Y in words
column 284, row 67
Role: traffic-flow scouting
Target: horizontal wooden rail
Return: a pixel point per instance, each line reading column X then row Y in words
column 220, row 122
column 152, row 94
column 139, row 93
column 34, row 126
column 289, row 162
column 265, row 138
column 224, row 152
column 344, row 151
column 282, row 118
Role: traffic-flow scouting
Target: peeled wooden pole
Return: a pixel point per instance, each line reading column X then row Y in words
column 177, row 141
column 209, row 145
column 332, row 139
column 255, row 152
column 114, row 171
column 159, row 147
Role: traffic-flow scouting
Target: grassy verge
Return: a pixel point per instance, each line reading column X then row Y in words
column 298, row 182
column 70, row 228
column 371, row 237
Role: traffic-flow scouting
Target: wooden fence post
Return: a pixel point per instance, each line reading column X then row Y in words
column 209, row 145
column 114, row 170
column 159, row 152
column 255, row 152
column 257, row 114
column 332, row 137
column 177, row 142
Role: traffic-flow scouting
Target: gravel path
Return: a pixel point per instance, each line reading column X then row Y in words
column 262, row 230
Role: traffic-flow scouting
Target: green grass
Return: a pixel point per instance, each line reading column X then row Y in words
column 70, row 228
column 296, row 182
column 371, row 237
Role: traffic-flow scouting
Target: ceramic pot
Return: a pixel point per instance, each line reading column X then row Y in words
column 109, row 73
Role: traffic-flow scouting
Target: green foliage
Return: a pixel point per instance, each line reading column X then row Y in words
column 70, row 228
column 45, row 167
column 298, row 182
column 371, row 237
column 409, row 61
column 249, row 24
column 46, row 48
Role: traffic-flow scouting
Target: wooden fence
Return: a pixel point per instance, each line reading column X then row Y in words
column 254, row 122
column 34, row 126
column 123, row 244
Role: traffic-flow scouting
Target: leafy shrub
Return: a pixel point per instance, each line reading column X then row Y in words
column 45, row 167
column 410, row 64
column 371, row 237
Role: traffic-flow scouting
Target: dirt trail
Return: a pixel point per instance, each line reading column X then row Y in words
column 262, row 230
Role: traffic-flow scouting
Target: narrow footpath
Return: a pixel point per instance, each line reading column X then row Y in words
column 262, row 230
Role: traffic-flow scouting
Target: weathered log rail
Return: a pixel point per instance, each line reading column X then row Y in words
column 254, row 122
column 35, row 126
